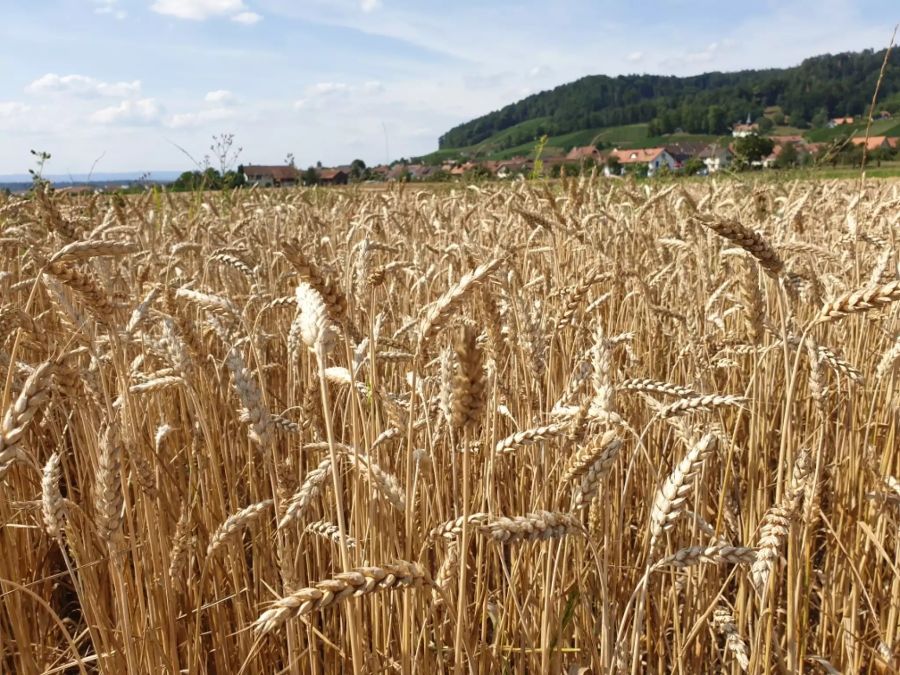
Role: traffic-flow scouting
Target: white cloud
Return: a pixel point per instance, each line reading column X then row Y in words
column 220, row 96
column 372, row 87
column 247, row 18
column 10, row 109
column 634, row 57
column 134, row 112
column 328, row 88
column 81, row 85
column 109, row 7
column 318, row 93
column 369, row 5
column 703, row 55
column 198, row 10
column 192, row 120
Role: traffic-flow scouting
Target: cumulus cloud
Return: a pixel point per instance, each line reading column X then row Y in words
column 247, row 18
column 320, row 92
column 372, row 87
column 369, row 5
column 198, row 10
column 190, row 120
column 81, row 85
column 634, row 57
column 10, row 109
column 220, row 97
column 129, row 113
column 109, row 7
column 705, row 55
column 327, row 88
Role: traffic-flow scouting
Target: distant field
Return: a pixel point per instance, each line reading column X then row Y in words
column 879, row 128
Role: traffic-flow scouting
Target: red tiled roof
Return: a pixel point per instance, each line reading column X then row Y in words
column 278, row 173
column 331, row 174
column 875, row 142
column 584, row 152
column 637, row 156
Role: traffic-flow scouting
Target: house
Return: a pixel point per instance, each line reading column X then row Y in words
column 715, row 157
column 584, row 153
column 421, row 171
column 781, row 142
column 403, row 172
column 685, row 150
column 461, row 169
column 512, row 166
column 875, row 142
column 336, row 176
column 744, row 130
column 840, row 122
column 270, row 176
column 547, row 163
column 653, row 158
column 768, row 161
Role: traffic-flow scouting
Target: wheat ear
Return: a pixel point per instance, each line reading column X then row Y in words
column 860, row 300
column 709, row 555
column 531, row 527
column 355, row 583
column 108, row 496
column 752, row 242
column 776, row 523
column 311, row 486
column 19, row 414
column 723, row 621
column 440, row 311
column 234, row 524
column 52, row 502
column 671, row 497
column 697, row 403
column 315, row 327
column 330, row 531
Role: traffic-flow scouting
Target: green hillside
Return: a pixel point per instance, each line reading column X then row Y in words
column 497, row 148
column 879, row 128
column 639, row 110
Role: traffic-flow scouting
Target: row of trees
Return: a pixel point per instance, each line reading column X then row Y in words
column 830, row 85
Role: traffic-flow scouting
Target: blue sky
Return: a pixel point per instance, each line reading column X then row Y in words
column 126, row 81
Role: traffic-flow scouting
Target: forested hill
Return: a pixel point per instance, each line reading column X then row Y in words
column 822, row 86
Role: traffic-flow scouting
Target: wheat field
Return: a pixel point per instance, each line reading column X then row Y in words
column 598, row 426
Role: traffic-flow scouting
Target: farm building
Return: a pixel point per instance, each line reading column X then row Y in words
column 654, row 158
column 716, row 157
column 333, row 177
column 270, row 176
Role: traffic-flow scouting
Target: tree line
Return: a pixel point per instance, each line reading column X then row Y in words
column 820, row 87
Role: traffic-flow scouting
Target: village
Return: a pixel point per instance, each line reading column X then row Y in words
column 681, row 157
